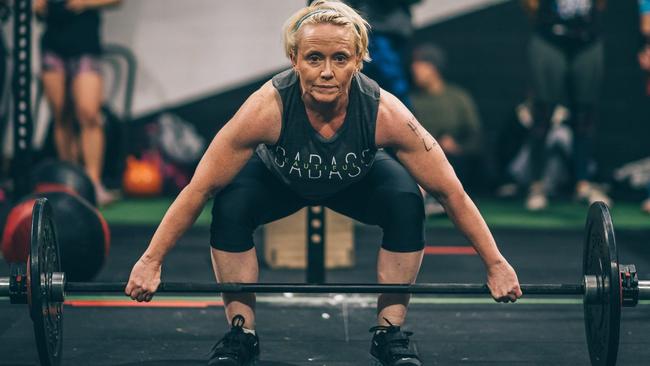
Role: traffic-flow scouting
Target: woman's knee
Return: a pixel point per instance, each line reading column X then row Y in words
column 402, row 205
column 402, row 221
column 233, row 221
column 87, row 95
column 54, row 88
column 58, row 112
column 88, row 115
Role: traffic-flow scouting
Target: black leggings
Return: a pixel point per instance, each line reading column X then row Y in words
column 387, row 196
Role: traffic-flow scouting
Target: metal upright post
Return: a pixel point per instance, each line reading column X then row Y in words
column 316, row 244
column 21, row 93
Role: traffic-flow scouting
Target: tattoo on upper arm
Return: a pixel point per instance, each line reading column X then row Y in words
column 427, row 140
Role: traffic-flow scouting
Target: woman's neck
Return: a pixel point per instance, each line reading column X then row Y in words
column 325, row 112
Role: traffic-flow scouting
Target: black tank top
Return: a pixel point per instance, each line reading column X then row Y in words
column 71, row 34
column 313, row 166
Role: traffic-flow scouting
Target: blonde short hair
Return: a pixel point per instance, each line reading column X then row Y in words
column 330, row 12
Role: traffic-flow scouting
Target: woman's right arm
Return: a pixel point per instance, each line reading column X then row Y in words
column 257, row 121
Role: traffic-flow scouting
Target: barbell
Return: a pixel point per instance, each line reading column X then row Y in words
column 606, row 286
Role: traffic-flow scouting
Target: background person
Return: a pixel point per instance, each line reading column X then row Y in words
column 566, row 56
column 445, row 110
column 70, row 57
column 644, row 52
column 391, row 29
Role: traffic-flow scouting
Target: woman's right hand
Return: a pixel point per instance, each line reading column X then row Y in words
column 144, row 280
column 40, row 7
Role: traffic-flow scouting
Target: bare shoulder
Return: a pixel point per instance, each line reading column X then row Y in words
column 392, row 119
column 398, row 129
column 259, row 119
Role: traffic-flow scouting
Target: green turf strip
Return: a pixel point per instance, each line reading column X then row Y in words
column 145, row 212
column 498, row 214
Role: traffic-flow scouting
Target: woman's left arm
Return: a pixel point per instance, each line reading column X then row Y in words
column 419, row 152
column 421, row 155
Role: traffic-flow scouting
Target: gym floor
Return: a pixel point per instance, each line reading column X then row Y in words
column 333, row 329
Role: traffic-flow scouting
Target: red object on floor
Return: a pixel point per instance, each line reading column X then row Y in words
column 17, row 234
column 153, row 304
column 449, row 250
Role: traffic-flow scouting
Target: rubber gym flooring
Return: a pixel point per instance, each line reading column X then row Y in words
column 333, row 329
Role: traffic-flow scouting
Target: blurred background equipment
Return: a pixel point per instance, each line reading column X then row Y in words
column 142, row 178
column 53, row 175
column 86, row 233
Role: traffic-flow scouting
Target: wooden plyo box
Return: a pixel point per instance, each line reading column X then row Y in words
column 285, row 241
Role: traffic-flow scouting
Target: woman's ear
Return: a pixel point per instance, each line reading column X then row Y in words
column 293, row 59
column 359, row 63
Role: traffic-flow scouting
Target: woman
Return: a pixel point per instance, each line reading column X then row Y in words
column 313, row 135
column 70, row 54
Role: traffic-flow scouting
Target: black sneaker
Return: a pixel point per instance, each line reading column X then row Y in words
column 392, row 347
column 236, row 348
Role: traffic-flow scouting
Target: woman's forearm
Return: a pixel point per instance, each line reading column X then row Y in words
column 467, row 218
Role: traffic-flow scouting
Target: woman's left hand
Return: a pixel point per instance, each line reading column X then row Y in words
column 503, row 282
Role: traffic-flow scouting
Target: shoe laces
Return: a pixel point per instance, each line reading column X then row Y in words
column 233, row 340
column 402, row 338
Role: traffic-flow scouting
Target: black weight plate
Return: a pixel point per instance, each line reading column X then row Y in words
column 47, row 315
column 603, row 317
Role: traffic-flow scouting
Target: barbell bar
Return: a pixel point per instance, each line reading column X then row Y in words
column 606, row 286
column 360, row 288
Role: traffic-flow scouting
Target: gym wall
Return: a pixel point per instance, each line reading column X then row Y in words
column 202, row 58
column 187, row 50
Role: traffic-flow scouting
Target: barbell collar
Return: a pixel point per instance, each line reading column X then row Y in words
column 644, row 290
column 4, row 287
column 58, row 286
column 423, row 288
column 593, row 289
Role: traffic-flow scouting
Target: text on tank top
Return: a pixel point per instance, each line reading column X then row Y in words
column 311, row 165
